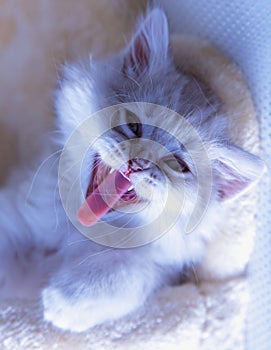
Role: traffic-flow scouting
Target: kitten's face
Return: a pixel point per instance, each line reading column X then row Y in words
column 142, row 140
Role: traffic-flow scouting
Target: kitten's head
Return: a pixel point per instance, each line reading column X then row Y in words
column 140, row 77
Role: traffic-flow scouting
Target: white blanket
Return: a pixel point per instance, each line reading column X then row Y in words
column 206, row 317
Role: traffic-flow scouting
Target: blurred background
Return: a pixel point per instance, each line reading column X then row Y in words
column 36, row 37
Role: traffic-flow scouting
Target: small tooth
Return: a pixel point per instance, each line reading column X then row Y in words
column 125, row 175
column 131, row 188
column 111, row 171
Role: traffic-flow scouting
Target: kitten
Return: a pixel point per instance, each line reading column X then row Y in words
column 90, row 282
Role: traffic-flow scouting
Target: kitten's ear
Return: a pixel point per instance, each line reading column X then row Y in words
column 235, row 171
column 149, row 45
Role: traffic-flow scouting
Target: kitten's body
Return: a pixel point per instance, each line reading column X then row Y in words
column 90, row 283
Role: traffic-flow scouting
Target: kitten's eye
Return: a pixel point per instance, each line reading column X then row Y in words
column 136, row 128
column 134, row 124
column 177, row 164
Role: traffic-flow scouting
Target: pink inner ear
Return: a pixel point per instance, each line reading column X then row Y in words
column 141, row 51
column 138, row 58
column 229, row 182
column 232, row 188
column 149, row 45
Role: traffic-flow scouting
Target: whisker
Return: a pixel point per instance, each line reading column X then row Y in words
column 69, row 244
column 37, row 172
column 195, row 274
column 94, row 255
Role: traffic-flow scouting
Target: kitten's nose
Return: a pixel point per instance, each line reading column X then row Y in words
column 139, row 164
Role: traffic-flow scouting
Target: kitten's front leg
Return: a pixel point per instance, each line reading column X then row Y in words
column 105, row 288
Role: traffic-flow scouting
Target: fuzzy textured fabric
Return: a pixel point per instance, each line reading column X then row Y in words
column 35, row 37
column 206, row 317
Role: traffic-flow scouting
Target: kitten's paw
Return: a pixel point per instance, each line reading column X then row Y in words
column 78, row 313
column 68, row 313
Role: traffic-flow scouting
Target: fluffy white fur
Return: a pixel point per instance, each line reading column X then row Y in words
column 84, row 283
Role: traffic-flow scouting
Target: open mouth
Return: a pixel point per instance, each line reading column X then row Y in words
column 100, row 173
column 108, row 190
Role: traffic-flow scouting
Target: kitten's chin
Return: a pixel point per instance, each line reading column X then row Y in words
column 129, row 215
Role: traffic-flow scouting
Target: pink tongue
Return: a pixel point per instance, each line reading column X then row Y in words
column 101, row 200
